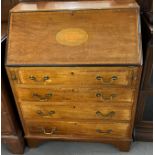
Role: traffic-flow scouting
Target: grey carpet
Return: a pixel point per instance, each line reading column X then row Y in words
column 78, row 148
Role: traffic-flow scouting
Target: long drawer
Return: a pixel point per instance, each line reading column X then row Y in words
column 120, row 130
column 80, row 76
column 48, row 112
column 60, row 94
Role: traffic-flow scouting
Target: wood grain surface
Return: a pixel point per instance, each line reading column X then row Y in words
column 76, row 103
column 98, row 77
column 76, row 128
column 110, row 41
column 73, row 5
column 59, row 94
column 46, row 112
column 75, row 69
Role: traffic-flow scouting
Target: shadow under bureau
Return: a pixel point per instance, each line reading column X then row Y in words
column 75, row 69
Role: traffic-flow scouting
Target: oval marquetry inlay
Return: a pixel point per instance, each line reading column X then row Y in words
column 72, row 36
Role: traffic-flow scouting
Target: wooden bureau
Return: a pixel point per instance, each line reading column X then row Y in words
column 75, row 70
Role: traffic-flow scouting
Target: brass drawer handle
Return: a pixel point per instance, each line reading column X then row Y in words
column 104, row 132
column 105, row 116
column 33, row 78
column 103, row 97
column 40, row 113
column 108, row 81
column 42, row 98
column 49, row 133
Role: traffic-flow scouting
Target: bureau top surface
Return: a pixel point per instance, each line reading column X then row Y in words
column 73, row 5
column 74, row 33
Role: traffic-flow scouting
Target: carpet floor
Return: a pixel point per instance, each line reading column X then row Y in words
column 81, row 148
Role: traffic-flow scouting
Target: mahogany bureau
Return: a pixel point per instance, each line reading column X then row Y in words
column 75, row 69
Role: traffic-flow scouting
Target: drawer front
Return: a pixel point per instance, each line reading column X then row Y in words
column 59, row 128
column 47, row 112
column 84, row 76
column 59, row 94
